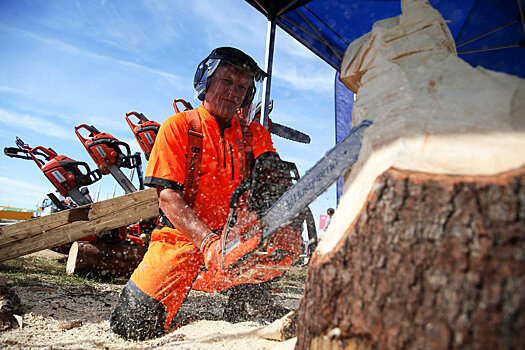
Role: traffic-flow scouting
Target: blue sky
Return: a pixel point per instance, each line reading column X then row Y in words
column 66, row 63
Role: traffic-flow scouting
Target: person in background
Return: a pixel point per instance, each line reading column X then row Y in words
column 330, row 212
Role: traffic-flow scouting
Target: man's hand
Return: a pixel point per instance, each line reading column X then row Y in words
column 211, row 249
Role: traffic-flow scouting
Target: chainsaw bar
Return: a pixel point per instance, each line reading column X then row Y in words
column 122, row 180
column 78, row 197
column 289, row 133
column 317, row 180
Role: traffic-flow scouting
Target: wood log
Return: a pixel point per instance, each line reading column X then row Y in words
column 69, row 225
column 426, row 247
column 281, row 329
column 433, row 262
column 100, row 259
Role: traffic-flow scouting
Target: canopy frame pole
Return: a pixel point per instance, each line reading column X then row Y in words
column 268, row 67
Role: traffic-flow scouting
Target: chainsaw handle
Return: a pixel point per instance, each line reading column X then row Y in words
column 141, row 117
column 91, row 176
column 93, row 131
column 238, row 192
column 47, row 153
column 186, row 105
column 13, row 152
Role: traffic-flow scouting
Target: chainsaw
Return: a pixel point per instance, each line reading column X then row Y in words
column 69, row 177
column 105, row 150
column 66, row 174
column 248, row 239
column 186, row 104
column 145, row 131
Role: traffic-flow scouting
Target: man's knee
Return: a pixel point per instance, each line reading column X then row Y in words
column 136, row 315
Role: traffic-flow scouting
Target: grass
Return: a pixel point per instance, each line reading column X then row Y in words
column 45, row 272
column 295, row 277
column 51, row 272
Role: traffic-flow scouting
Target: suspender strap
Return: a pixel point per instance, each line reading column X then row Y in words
column 194, row 157
column 247, row 135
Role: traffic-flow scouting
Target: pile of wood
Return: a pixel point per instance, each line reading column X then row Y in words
column 427, row 246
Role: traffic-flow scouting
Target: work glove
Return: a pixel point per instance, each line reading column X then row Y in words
column 211, row 249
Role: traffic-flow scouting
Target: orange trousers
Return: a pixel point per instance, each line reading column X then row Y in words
column 171, row 268
column 168, row 270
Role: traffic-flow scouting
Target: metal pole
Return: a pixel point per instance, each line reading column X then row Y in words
column 270, row 41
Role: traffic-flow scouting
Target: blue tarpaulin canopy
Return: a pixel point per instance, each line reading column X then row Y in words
column 327, row 27
column 488, row 33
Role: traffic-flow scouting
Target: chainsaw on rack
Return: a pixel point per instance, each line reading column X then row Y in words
column 145, row 131
column 106, row 151
column 66, row 174
column 70, row 178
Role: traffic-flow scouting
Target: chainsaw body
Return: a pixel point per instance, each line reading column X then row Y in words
column 64, row 173
column 247, row 257
column 103, row 148
column 145, row 131
column 106, row 152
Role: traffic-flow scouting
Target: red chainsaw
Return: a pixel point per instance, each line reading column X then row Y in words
column 106, row 152
column 145, row 131
column 66, row 174
column 260, row 239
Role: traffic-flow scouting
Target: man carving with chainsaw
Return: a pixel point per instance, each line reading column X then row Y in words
column 200, row 157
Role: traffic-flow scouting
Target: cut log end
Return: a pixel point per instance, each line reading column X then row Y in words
column 115, row 260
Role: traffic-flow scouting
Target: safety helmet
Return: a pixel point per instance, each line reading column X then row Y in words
column 222, row 56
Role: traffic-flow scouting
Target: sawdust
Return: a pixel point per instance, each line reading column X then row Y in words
column 76, row 317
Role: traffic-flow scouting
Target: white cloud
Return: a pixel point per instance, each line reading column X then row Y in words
column 13, row 195
column 38, row 125
column 77, row 51
column 11, row 90
column 304, row 79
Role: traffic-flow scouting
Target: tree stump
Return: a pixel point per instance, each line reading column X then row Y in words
column 100, row 259
column 432, row 262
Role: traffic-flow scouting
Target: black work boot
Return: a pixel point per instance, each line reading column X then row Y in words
column 252, row 302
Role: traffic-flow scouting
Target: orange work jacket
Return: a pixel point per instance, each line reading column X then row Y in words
column 222, row 166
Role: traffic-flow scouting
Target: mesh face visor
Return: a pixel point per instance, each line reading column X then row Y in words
column 223, row 56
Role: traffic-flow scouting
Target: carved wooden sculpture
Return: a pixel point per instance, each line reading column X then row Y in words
column 427, row 247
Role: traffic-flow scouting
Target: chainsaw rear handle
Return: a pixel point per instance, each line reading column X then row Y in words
column 186, row 105
column 92, row 130
column 85, row 178
column 141, row 117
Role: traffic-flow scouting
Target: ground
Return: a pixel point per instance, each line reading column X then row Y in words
column 72, row 312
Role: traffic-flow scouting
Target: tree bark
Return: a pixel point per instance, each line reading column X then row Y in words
column 432, row 261
column 101, row 259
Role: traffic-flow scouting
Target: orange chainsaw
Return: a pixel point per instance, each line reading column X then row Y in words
column 145, row 131
column 261, row 238
column 108, row 156
column 66, row 174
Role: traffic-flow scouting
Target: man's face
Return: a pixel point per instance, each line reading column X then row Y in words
column 226, row 92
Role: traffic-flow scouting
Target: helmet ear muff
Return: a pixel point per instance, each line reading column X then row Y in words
column 199, row 74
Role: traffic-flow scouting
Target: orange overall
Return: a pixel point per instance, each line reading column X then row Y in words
column 172, row 262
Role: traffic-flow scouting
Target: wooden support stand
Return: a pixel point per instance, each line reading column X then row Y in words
column 69, row 225
column 115, row 260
